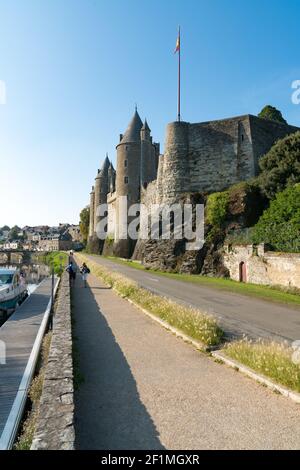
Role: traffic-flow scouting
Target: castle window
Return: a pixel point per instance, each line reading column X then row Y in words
column 125, row 163
column 242, row 136
column 126, row 179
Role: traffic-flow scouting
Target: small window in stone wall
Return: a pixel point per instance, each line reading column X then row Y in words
column 242, row 136
column 125, row 163
column 126, row 179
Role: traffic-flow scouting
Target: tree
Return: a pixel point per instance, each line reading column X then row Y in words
column 281, row 166
column 279, row 226
column 271, row 113
column 14, row 233
column 84, row 223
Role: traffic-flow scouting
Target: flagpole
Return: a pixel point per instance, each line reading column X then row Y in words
column 179, row 75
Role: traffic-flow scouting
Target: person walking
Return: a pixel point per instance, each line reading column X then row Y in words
column 71, row 269
column 84, row 272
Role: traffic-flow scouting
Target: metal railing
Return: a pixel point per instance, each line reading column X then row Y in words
column 13, row 421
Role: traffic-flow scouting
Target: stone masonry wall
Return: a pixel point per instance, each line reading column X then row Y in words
column 55, row 425
column 265, row 133
column 211, row 156
column 263, row 267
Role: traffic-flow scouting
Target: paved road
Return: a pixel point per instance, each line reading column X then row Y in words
column 238, row 314
column 146, row 389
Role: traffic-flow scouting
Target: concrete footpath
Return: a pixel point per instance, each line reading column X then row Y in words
column 145, row 389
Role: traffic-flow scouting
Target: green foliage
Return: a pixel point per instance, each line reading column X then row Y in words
column 281, row 166
column 216, row 208
column 57, row 260
column 14, row 233
column 279, row 226
column 271, row 113
column 240, row 237
column 84, row 223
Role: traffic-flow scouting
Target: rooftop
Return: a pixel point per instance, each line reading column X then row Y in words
column 133, row 130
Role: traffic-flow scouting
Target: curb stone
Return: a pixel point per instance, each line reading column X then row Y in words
column 198, row 344
column 295, row 396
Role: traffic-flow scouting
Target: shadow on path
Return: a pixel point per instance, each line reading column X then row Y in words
column 108, row 411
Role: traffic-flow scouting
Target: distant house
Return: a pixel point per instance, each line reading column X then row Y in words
column 74, row 231
column 55, row 242
column 14, row 245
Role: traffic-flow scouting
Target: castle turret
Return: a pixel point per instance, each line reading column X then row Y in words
column 111, row 178
column 128, row 180
column 176, row 161
column 92, row 205
column 128, row 161
column 148, row 156
column 101, row 190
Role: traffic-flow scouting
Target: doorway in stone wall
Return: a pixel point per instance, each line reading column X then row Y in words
column 243, row 272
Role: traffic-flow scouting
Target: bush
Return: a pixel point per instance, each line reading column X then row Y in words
column 272, row 114
column 216, row 208
column 57, row 260
column 281, row 166
column 279, row 226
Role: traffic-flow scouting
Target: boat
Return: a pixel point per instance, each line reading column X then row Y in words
column 13, row 289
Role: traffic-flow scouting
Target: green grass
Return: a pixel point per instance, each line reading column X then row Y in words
column 272, row 359
column 57, row 260
column 273, row 294
column 192, row 322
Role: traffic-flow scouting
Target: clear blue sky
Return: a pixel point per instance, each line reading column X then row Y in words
column 74, row 70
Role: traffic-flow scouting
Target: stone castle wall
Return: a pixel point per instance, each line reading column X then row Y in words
column 265, row 134
column 263, row 267
column 211, row 156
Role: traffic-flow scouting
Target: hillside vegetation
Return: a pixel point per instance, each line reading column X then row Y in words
column 265, row 209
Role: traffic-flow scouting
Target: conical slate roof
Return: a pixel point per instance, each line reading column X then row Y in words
column 104, row 167
column 146, row 127
column 132, row 133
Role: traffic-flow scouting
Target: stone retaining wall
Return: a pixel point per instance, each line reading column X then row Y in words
column 55, row 425
column 263, row 267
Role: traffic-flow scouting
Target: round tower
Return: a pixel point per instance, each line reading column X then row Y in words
column 111, row 178
column 175, row 163
column 129, row 161
column 127, row 182
column 92, row 205
column 148, row 160
column 101, row 190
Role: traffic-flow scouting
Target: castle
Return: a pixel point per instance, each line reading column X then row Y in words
column 198, row 158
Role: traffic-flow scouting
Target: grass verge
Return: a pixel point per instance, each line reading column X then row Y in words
column 192, row 322
column 270, row 293
column 271, row 359
column 25, row 438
